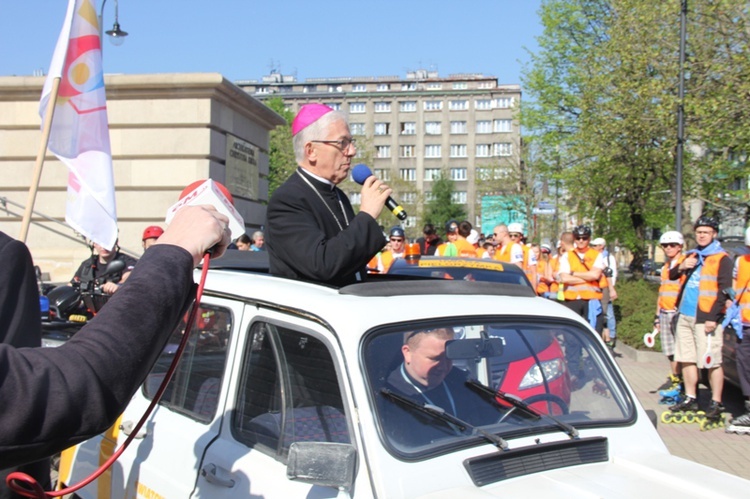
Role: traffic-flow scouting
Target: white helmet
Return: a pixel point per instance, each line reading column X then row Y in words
column 515, row 228
column 747, row 236
column 672, row 236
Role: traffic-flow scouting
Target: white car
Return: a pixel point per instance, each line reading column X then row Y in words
column 286, row 390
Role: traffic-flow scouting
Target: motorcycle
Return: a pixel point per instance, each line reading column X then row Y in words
column 70, row 307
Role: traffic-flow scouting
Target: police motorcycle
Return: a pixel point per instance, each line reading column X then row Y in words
column 70, row 307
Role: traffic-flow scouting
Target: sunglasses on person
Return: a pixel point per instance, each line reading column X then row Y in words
column 670, row 245
column 397, row 239
column 514, row 235
column 582, row 238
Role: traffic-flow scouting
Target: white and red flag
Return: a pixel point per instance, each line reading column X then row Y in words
column 79, row 136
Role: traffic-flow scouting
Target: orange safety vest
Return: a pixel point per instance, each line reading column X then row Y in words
column 465, row 248
column 386, row 260
column 589, row 290
column 554, row 263
column 670, row 290
column 742, row 285
column 503, row 252
column 708, row 287
column 541, row 267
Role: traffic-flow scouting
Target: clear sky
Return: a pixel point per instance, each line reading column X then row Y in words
column 244, row 39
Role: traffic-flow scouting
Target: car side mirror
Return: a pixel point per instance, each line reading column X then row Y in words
column 325, row 464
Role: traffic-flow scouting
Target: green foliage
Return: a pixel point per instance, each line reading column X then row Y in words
column 634, row 309
column 602, row 104
column 441, row 208
column 281, row 153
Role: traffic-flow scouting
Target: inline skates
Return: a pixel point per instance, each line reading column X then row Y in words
column 714, row 417
column 671, row 394
column 686, row 411
column 740, row 424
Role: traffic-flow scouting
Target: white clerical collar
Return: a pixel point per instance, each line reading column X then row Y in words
column 319, row 179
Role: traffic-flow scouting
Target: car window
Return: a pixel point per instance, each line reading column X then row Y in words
column 195, row 386
column 289, row 392
column 475, row 371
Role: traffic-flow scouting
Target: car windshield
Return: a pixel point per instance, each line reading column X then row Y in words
column 446, row 384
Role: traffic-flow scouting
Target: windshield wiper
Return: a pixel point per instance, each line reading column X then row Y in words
column 439, row 413
column 520, row 404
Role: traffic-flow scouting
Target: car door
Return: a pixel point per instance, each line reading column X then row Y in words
column 164, row 460
column 287, row 389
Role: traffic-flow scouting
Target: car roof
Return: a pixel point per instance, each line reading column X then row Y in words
column 475, row 269
column 359, row 307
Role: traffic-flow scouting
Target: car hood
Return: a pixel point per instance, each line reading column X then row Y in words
column 656, row 475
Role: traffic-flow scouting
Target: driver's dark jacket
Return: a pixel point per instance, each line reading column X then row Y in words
column 409, row 427
column 91, row 268
column 52, row 398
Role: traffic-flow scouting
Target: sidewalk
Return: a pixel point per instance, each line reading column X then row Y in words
column 646, row 372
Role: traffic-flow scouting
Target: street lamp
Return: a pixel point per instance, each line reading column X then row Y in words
column 116, row 35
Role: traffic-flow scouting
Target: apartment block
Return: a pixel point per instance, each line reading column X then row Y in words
column 412, row 130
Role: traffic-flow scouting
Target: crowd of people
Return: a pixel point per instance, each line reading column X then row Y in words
column 312, row 233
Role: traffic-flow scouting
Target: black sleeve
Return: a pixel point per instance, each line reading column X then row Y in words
column 52, row 398
column 297, row 240
column 20, row 320
column 724, row 281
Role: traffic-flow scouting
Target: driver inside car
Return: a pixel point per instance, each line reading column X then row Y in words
column 427, row 376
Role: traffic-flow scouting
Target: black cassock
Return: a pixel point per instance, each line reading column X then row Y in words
column 313, row 234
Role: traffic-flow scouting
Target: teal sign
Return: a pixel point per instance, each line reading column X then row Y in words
column 502, row 210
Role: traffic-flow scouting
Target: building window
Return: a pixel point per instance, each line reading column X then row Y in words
column 484, row 126
column 408, row 106
column 383, row 87
column 432, row 128
column 359, row 87
column 429, row 197
column 460, row 85
column 431, row 173
column 458, row 150
column 408, row 174
column 433, row 151
column 382, row 151
column 408, row 128
column 459, row 197
column 458, row 105
column 502, row 126
column 458, row 127
column 434, row 86
column 411, row 221
column 433, row 105
column 336, row 106
column 492, row 173
column 355, row 198
column 486, row 84
column 357, row 128
column 504, row 102
column 261, row 90
column 483, row 104
column 382, row 107
column 483, row 151
column 335, row 88
column 408, row 197
column 408, row 86
column 382, row 128
column 356, row 107
column 502, row 149
column 383, row 174
column 458, row 174
column 406, row 151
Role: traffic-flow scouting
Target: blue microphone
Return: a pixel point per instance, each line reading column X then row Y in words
column 360, row 173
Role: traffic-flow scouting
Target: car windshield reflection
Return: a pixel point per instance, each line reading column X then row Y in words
column 450, row 383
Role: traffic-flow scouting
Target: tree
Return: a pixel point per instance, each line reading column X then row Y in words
column 281, row 161
column 603, row 91
column 441, row 208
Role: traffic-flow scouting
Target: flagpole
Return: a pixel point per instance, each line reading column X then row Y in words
column 37, row 175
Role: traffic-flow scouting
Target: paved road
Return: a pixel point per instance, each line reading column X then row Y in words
column 646, row 372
